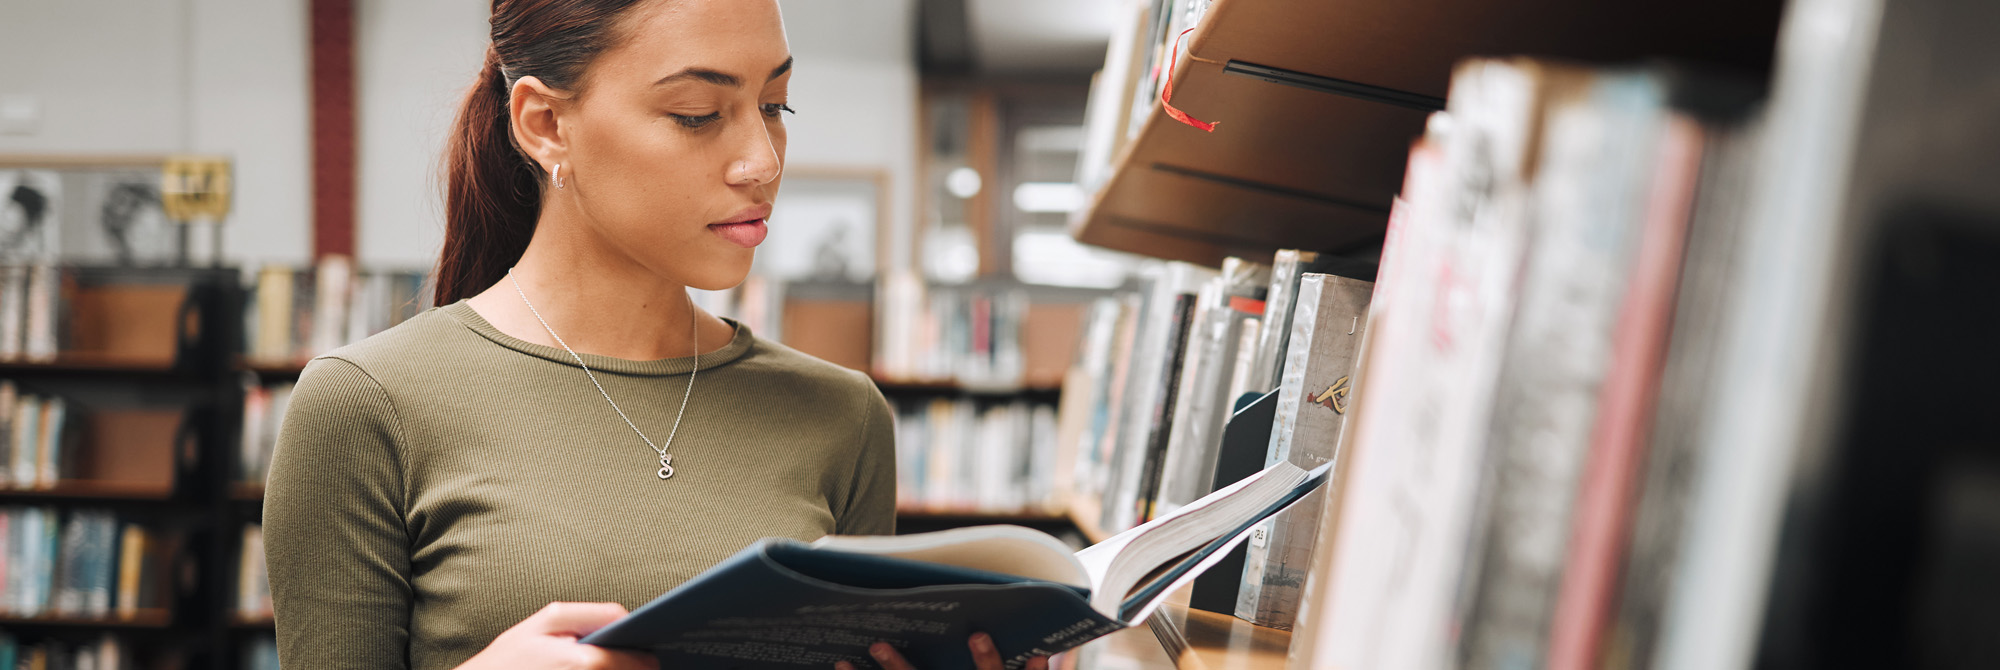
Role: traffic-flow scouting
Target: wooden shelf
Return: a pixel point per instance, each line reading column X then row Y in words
column 242, row 621
column 271, row 369
column 75, row 362
column 144, row 618
column 84, row 489
column 1084, row 515
column 1177, row 637
column 1316, row 162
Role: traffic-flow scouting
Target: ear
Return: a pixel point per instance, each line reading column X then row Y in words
column 534, row 110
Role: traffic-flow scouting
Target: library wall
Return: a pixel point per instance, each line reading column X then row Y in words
column 139, row 76
column 122, row 77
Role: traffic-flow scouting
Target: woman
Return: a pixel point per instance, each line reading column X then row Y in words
column 550, row 435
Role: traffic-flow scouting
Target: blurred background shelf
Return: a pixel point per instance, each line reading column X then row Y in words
column 88, row 490
column 143, row 619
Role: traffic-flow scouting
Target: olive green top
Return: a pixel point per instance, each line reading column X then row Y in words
column 439, row 482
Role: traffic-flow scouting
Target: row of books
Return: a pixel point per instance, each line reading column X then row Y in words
column 34, row 433
column 79, row 564
column 1203, row 377
column 1529, row 410
column 263, row 414
column 1143, row 39
column 29, row 318
column 976, row 455
column 297, row 313
column 965, row 335
column 107, row 652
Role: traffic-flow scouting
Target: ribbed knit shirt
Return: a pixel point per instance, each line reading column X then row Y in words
column 437, row 483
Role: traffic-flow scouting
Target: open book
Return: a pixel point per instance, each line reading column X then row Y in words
column 788, row 604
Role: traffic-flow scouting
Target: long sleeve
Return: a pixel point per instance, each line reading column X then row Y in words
column 871, row 506
column 334, row 529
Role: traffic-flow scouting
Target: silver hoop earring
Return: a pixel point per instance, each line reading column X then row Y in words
column 555, row 176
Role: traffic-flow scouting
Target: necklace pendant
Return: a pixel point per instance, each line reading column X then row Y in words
column 667, row 466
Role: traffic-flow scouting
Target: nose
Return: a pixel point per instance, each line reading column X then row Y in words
column 758, row 164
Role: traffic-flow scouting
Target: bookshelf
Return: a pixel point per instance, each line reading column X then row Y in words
column 1317, row 102
column 155, row 402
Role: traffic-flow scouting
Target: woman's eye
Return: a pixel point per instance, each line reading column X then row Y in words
column 696, row 122
column 772, row 109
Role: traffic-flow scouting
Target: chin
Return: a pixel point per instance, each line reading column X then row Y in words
column 720, row 276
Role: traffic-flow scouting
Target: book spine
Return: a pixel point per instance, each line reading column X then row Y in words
column 1161, row 426
column 44, row 286
column 13, row 312
column 27, row 441
column 55, row 413
column 1596, row 163
column 1312, row 414
column 131, row 555
column 1625, row 410
column 9, row 399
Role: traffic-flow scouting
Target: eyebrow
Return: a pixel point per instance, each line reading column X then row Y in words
column 720, row 78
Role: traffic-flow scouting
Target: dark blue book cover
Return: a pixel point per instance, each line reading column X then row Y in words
column 780, row 604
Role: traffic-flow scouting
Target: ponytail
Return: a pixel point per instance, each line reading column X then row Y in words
column 493, row 192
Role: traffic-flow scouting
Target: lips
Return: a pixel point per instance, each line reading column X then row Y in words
column 747, row 234
column 745, row 228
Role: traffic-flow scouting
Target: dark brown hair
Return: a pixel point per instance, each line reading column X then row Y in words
column 493, row 192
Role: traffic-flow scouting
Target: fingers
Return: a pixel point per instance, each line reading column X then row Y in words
column 1037, row 663
column 574, row 619
column 887, row 656
column 984, row 655
column 599, row 658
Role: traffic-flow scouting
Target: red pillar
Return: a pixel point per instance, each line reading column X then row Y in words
column 333, row 142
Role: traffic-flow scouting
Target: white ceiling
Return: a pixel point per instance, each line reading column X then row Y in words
column 1040, row 35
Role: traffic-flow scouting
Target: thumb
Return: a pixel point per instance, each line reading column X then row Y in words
column 575, row 619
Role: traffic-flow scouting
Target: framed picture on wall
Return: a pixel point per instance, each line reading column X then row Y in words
column 101, row 210
column 826, row 225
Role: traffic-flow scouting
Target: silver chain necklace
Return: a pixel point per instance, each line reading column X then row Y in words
column 666, row 459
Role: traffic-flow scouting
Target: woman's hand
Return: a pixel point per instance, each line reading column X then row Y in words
column 548, row 640
column 984, row 656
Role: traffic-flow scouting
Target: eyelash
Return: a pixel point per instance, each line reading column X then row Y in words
column 697, row 122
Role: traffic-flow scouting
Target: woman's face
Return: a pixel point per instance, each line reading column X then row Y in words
column 676, row 145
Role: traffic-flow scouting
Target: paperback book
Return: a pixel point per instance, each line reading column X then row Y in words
column 788, row 604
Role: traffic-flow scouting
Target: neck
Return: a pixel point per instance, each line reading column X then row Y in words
column 599, row 300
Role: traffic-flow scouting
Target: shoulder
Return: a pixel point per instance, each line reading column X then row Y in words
column 801, row 372
column 427, row 338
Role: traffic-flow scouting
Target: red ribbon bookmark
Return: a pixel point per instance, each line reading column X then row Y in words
column 1167, row 96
